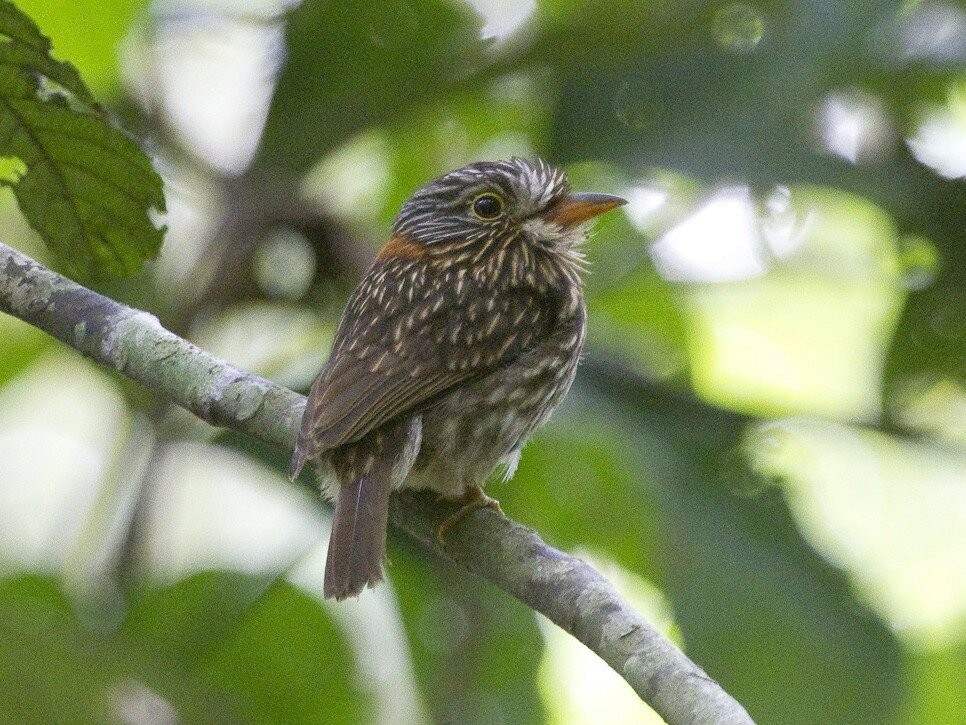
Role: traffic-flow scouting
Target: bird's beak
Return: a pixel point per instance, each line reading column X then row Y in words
column 577, row 208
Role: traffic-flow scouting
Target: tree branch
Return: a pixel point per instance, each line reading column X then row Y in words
column 563, row 588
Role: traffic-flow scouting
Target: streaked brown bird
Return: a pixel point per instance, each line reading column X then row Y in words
column 459, row 342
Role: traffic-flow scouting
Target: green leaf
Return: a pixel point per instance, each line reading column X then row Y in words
column 90, row 33
column 356, row 64
column 84, row 185
column 31, row 50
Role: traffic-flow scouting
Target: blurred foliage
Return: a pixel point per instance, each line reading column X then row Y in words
column 477, row 662
column 378, row 58
column 213, row 648
column 682, row 455
column 794, row 617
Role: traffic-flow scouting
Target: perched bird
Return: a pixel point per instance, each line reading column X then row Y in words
column 459, row 342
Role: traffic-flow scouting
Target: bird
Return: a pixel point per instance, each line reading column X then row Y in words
column 458, row 343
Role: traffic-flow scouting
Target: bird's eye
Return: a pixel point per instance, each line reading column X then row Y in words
column 488, row 206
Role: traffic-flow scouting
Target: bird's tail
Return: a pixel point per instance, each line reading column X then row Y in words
column 357, row 546
column 358, row 542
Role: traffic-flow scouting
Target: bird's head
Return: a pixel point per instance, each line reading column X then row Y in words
column 502, row 200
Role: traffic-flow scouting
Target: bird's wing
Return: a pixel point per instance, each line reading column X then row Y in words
column 403, row 341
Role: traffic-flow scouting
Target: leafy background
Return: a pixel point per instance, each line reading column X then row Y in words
column 765, row 446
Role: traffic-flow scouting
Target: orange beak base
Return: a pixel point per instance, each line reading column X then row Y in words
column 578, row 208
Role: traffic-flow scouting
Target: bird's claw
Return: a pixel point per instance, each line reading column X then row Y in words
column 472, row 499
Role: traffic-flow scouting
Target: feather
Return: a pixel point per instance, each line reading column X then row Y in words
column 375, row 375
column 357, row 545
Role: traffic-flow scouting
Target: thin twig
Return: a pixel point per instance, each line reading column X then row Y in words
column 565, row 589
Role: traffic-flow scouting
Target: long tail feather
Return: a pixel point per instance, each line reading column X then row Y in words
column 357, row 546
column 358, row 542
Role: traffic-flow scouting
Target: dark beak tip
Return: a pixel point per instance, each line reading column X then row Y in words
column 590, row 197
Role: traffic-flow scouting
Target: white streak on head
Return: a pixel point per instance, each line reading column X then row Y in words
column 439, row 211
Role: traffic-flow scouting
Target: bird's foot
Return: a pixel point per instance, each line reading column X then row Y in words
column 472, row 499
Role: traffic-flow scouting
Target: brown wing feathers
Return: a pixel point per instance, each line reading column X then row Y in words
column 387, row 361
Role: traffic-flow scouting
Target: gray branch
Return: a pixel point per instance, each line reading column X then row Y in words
column 565, row 589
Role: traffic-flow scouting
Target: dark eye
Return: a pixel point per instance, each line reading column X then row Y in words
column 488, row 206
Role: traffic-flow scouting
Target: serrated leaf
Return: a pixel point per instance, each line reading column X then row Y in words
column 32, row 50
column 89, row 33
column 88, row 188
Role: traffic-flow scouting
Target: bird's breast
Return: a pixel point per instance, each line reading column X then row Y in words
column 480, row 424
